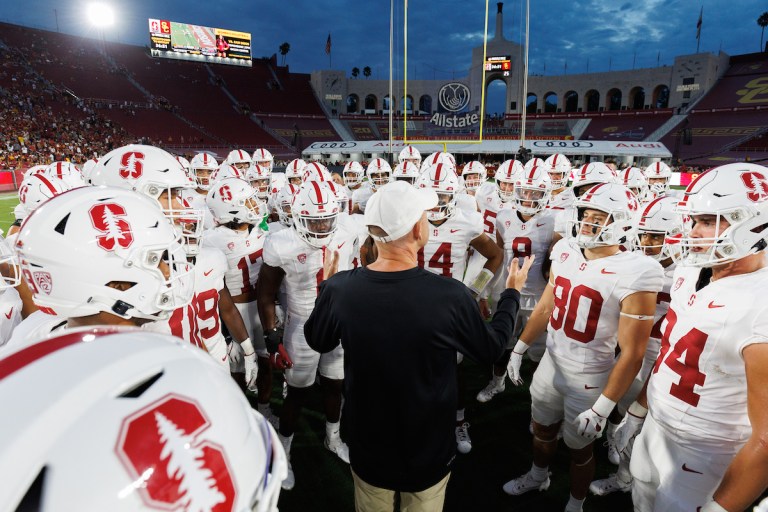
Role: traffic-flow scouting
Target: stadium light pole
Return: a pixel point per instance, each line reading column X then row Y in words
column 101, row 16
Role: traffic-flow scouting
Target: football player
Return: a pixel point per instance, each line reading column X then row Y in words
column 10, row 300
column 263, row 158
column 239, row 159
column 702, row 445
column 597, row 298
column 560, row 170
column 379, row 173
column 411, row 155
column 453, row 231
column 659, row 176
column 202, row 166
column 295, row 257
column 474, row 174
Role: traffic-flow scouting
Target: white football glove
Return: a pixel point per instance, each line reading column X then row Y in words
column 249, row 360
column 513, row 368
column 590, row 424
column 235, row 355
column 762, row 506
column 515, row 360
column 629, row 428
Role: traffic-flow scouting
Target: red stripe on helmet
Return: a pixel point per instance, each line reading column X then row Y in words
column 59, row 170
column 48, row 184
column 554, row 160
column 318, row 192
column 438, row 171
column 583, row 171
column 533, row 172
column 591, row 191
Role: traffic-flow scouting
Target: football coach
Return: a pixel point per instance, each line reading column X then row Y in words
column 400, row 327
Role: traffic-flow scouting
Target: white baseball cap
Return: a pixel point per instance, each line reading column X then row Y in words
column 396, row 208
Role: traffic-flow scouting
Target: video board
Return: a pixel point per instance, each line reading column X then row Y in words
column 184, row 41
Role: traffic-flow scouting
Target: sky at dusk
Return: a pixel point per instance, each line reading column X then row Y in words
column 584, row 35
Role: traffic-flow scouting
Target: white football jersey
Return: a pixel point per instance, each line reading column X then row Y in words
column 466, row 202
column 197, row 201
column 446, row 252
column 303, row 265
column 362, row 195
column 10, row 308
column 524, row 238
column 489, row 204
column 562, row 200
column 35, row 327
column 243, row 251
column 698, row 388
column 583, row 328
column 199, row 322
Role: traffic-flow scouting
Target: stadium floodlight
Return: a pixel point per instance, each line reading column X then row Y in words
column 101, row 15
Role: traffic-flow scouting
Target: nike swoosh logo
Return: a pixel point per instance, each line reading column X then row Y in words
column 206, row 274
column 341, row 245
column 590, row 387
column 689, row 470
column 603, row 271
column 539, row 225
column 8, row 314
column 455, row 230
column 712, row 305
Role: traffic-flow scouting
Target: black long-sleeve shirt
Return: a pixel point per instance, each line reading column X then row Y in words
column 400, row 332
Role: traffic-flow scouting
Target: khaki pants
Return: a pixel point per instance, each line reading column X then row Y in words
column 375, row 499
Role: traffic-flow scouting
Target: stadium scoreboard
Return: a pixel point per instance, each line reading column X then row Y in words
column 502, row 63
column 184, row 41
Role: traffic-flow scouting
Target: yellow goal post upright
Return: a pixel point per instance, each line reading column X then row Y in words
column 445, row 143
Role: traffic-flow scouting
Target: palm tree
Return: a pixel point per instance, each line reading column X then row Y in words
column 762, row 20
column 367, row 71
column 355, row 72
column 284, row 49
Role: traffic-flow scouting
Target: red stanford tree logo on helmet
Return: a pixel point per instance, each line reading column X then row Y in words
column 132, row 165
column 109, row 218
column 757, row 186
column 163, row 447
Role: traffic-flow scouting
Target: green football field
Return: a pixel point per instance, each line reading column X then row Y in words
column 7, row 202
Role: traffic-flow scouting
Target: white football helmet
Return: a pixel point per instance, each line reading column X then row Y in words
column 294, row 171
column 342, row 198
column 76, row 245
column 283, row 202
column 560, row 170
column 659, row 218
column 474, row 174
column 225, row 171
column 410, row 154
column 353, row 174
column 661, row 174
column 621, row 207
column 277, row 181
column 157, row 174
column 67, row 172
column 315, row 213
column 37, row 189
column 202, row 166
column 532, row 190
column 508, row 173
column 239, row 158
column 634, row 179
column 234, row 200
column 445, row 182
column 263, row 158
column 533, row 162
column 437, row 158
column 10, row 272
column 591, row 174
column 184, row 163
column 131, row 406
column 406, row 171
column 379, row 173
column 735, row 193
column 35, row 169
column 315, row 171
column 259, row 178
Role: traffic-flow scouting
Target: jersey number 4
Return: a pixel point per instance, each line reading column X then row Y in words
column 691, row 345
column 441, row 259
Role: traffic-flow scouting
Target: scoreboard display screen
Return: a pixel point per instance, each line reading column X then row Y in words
column 503, row 64
column 184, row 41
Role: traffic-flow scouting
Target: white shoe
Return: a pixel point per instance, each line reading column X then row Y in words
column 463, row 441
column 290, row 480
column 525, row 483
column 609, row 485
column 339, row 447
column 613, row 453
column 491, row 390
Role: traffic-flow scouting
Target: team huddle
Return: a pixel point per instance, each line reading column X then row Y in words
column 641, row 312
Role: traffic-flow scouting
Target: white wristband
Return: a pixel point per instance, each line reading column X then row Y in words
column 712, row 506
column 603, row 406
column 247, row 346
column 521, row 347
column 481, row 281
column 637, row 410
